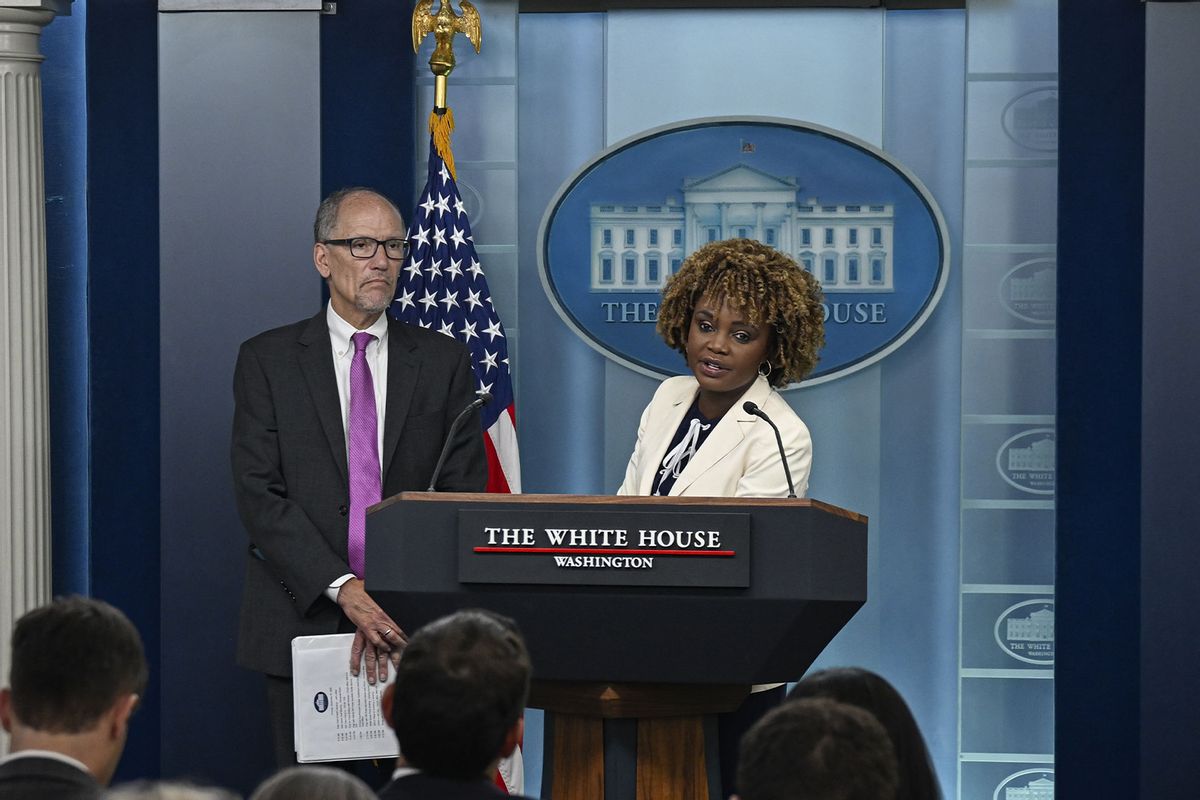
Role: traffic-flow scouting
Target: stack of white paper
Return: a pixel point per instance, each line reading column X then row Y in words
column 338, row 716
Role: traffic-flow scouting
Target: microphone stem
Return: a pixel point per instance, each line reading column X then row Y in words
column 454, row 426
column 787, row 472
column 752, row 408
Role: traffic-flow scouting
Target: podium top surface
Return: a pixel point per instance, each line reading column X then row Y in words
column 604, row 499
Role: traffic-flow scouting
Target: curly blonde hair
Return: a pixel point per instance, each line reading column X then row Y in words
column 765, row 285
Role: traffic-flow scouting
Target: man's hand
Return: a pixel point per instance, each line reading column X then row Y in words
column 377, row 639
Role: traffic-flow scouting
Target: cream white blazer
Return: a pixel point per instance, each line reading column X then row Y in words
column 738, row 459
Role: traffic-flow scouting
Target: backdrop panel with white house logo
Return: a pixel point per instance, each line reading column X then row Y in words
column 1006, row 684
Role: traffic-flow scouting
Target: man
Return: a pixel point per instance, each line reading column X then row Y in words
column 817, row 749
column 77, row 672
column 457, row 707
column 332, row 414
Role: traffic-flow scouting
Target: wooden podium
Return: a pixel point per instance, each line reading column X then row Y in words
column 630, row 674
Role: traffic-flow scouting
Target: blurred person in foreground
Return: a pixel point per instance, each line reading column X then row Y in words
column 313, row 783
column 869, row 691
column 817, row 749
column 78, row 671
column 457, row 707
column 167, row 790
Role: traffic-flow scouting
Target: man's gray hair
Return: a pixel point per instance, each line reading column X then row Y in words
column 327, row 212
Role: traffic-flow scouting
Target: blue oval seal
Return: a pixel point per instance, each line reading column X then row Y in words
column 1025, row 631
column 868, row 229
column 1027, row 461
column 321, row 702
column 1028, row 784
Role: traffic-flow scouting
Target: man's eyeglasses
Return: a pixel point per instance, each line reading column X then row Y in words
column 366, row 247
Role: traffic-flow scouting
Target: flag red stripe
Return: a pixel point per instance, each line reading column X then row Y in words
column 497, row 483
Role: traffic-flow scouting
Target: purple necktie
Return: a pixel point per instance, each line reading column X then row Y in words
column 365, row 486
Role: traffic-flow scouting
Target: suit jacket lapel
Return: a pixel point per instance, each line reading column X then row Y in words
column 403, row 372
column 316, row 362
column 727, row 435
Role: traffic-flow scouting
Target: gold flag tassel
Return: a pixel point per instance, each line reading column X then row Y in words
column 443, row 25
column 440, row 127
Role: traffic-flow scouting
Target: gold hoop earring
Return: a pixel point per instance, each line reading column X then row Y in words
column 767, row 364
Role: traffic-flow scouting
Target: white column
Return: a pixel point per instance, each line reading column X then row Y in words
column 24, row 406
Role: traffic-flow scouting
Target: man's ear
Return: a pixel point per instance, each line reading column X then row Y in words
column 389, row 695
column 119, row 715
column 321, row 259
column 6, row 715
column 513, row 738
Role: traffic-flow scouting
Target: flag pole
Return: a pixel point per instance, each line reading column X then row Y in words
column 490, row 363
column 444, row 25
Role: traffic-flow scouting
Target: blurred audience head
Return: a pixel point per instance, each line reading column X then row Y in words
column 78, row 671
column 816, row 749
column 167, row 790
column 313, row 783
column 458, row 702
column 867, row 690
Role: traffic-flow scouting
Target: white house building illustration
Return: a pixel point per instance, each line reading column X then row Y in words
column 1039, row 789
column 1037, row 627
column 1038, row 457
column 848, row 246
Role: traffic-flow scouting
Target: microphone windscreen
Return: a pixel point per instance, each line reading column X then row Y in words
column 750, row 407
column 484, row 397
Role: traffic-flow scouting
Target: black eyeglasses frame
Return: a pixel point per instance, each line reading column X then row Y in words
column 349, row 245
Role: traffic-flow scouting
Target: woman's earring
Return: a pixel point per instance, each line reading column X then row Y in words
column 765, row 373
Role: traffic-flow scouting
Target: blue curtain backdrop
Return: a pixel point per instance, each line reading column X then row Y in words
column 101, row 143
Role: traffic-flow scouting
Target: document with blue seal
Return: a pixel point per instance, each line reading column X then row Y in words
column 338, row 714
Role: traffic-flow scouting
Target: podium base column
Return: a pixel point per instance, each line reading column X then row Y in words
column 677, row 758
column 652, row 758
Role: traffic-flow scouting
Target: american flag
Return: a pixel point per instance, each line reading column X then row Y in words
column 443, row 287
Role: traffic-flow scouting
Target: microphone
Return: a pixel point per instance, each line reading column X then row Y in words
column 751, row 407
column 479, row 402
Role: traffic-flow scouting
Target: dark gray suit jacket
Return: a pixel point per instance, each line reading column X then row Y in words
column 35, row 778
column 289, row 468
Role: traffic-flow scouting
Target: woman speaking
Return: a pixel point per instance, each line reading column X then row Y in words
column 747, row 319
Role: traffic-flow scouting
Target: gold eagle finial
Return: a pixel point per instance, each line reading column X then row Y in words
column 444, row 25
